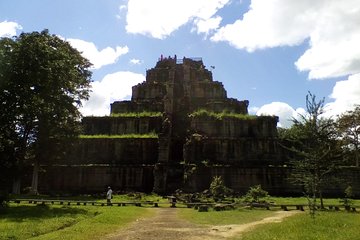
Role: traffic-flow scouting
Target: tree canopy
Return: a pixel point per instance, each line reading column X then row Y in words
column 315, row 151
column 42, row 82
column 348, row 126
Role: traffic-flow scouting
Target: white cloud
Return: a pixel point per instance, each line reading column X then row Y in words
column 271, row 23
column 345, row 94
column 283, row 110
column 253, row 110
column 331, row 26
column 159, row 18
column 8, row 29
column 334, row 42
column 97, row 57
column 113, row 87
column 135, row 61
column 207, row 25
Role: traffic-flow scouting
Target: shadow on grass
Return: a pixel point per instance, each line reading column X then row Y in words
column 21, row 213
column 55, row 197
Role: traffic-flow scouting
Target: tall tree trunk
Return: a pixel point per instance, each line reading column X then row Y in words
column 321, row 200
column 356, row 156
column 16, row 185
column 35, row 177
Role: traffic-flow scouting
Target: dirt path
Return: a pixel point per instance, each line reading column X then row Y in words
column 166, row 225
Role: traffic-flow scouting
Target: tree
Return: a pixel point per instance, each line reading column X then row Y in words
column 314, row 149
column 42, row 82
column 348, row 126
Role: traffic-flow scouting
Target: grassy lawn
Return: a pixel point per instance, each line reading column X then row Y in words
column 63, row 222
column 238, row 216
column 24, row 221
column 326, row 225
column 303, row 200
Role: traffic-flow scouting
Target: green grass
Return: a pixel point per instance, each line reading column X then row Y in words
column 62, row 222
column 222, row 115
column 45, row 197
column 303, row 200
column 148, row 135
column 138, row 197
column 238, row 216
column 137, row 114
column 326, row 225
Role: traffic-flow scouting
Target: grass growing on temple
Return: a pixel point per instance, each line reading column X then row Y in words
column 221, row 115
column 137, row 114
column 102, row 136
column 63, row 222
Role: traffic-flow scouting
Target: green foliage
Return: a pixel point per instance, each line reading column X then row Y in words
column 348, row 126
column 256, row 194
column 222, row 115
column 3, row 200
column 42, row 82
column 148, row 135
column 137, row 114
column 218, row 188
column 315, row 150
column 347, row 200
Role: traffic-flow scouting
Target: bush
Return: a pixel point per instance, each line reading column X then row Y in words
column 3, row 200
column 347, row 201
column 256, row 194
column 218, row 188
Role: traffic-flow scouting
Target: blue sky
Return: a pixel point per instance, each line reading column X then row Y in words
column 270, row 52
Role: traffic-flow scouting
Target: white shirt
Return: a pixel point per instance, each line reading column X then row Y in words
column 108, row 194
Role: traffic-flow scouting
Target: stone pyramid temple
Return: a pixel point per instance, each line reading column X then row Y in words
column 178, row 131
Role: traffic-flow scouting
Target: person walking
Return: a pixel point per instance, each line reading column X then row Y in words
column 109, row 196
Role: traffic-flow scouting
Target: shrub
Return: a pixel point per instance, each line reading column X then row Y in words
column 256, row 194
column 3, row 200
column 347, row 201
column 218, row 188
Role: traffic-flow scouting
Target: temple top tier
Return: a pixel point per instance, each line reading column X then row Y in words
column 186, row 69
column 179, row 81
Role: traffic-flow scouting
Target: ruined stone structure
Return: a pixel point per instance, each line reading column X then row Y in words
column 177, row 141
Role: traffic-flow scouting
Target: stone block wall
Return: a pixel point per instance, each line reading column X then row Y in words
column 229, row 127
column 121, row 125
column 114, row 151
column 136, row 106
column 207, row 90
column 148, row 91
column 231, row 105
column 273, row 179
column 95, row 179
column 237, row 152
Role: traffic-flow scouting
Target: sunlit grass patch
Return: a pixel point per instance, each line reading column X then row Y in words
column 237, row 216
column 326, row 225
column 63, row 222
column 221, row 115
